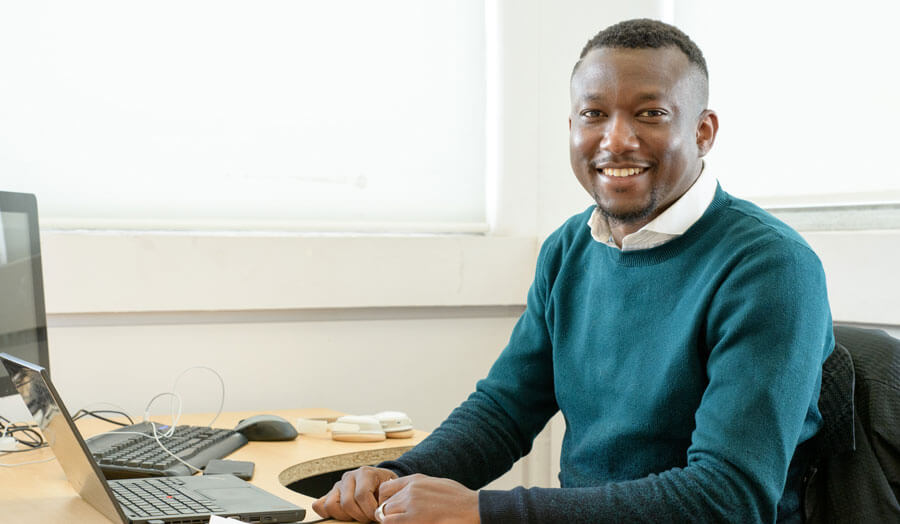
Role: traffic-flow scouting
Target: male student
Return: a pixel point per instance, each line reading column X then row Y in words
column 680, row 330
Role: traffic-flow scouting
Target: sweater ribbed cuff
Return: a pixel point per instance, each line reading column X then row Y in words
column 501, row 507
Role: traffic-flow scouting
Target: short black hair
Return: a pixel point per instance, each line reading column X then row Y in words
column 643, row 33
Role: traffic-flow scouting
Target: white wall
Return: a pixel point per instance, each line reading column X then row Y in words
column 347, row 322
column 366, row 323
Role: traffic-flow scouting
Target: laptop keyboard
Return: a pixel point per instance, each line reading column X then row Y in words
column 158, row 497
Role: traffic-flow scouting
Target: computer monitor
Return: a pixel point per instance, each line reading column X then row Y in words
column 23, row 321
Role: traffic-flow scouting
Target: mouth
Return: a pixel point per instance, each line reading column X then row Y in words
column 621, row 172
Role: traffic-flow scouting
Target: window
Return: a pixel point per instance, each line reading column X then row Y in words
column 211, row 114
column 805, row 96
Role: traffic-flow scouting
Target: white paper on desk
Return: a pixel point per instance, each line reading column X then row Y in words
column 215, row 519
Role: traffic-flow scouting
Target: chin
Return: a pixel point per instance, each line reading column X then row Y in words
column 627, row 217
column 625, row 213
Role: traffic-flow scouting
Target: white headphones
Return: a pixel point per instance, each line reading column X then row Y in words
column 361, row 428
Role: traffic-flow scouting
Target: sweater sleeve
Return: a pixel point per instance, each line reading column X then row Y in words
column 495, row 426
column 768, row 331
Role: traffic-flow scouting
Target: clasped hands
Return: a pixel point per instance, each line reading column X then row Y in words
column 412, row 499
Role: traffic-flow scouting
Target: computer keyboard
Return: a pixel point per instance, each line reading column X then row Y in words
column 122, row 453
column 161, row 497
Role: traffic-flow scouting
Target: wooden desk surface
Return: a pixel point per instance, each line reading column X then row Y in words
column 40, row 492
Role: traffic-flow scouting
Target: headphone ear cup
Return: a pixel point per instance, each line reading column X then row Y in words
column 355, row 428
column 396, row 424
column 311, row 426
column 357, row 437
column 400, row 434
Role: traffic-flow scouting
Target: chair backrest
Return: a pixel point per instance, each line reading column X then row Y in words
column 855, row 476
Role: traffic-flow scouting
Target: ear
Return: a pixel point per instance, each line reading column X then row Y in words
column 706, row 131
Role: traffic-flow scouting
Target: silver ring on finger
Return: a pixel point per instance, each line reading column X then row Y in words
column 379, row 512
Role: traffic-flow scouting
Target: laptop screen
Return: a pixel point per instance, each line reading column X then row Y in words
column 23, row 325
column 59, row 431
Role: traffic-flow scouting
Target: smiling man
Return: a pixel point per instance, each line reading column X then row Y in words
column 680, row 330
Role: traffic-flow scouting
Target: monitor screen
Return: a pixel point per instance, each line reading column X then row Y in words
column 23, row 324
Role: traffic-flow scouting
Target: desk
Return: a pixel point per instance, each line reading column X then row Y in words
column 40, row 492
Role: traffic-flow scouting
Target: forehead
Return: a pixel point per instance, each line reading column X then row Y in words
column 664, row 71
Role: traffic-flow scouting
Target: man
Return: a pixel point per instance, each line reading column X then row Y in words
column 681, row 331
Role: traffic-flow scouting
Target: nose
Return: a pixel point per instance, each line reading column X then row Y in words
column 619, row 136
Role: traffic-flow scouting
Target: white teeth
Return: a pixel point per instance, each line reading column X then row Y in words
column 628, row 171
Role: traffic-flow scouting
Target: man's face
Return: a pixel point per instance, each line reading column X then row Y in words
column 637, row 130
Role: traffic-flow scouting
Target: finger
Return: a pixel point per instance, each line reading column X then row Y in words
column 319, row 504
column 397, row 518
column 365, row 495
column 332, row 504
column 379, row 513
column 381, row 479
column 349, row 505
column 394, row 511
column 390, row 487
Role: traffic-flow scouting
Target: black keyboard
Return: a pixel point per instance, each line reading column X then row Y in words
column 122, row 454
column 162, row 497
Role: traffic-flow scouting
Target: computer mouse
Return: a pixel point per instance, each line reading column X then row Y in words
column 266, row 427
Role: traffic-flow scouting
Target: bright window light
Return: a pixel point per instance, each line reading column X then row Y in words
column 224, row 114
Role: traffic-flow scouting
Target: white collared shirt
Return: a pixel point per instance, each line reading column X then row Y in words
column 671, row 223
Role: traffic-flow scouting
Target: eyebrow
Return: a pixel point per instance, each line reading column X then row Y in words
column 650, row 95
column 642, row 97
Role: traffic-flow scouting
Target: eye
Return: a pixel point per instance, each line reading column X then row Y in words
column 653, row 113
column 591, row 113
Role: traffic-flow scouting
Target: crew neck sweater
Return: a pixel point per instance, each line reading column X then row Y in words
column 687, row 374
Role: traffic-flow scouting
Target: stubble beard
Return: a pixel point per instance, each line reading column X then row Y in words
column 629, row 216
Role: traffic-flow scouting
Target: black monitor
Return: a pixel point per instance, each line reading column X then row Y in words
column 23, row 321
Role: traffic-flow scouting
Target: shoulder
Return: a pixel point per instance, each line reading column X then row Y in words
column 746, row 248
column 747, row 228
column 573, row 234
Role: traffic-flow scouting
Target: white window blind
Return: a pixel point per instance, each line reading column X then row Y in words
column 184, row 114
column 805, row 95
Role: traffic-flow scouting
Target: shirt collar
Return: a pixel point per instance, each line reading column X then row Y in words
column 671, row 223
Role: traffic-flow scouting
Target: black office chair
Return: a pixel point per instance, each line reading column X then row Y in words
column 854, row 475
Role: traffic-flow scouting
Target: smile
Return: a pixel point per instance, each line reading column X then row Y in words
column 622, row 172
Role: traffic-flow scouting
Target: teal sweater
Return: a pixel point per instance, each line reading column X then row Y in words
column 687, row 374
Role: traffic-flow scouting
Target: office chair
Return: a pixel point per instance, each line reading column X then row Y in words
column 854, row 474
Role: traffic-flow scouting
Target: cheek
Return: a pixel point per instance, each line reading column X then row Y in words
column 677, row 144
column 580, row 144
column 668, row 149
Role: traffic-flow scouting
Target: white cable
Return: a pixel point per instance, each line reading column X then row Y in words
column 221, row 388
column 176, row 457
column 171, row 429
column 176, row 415
column 2, row 465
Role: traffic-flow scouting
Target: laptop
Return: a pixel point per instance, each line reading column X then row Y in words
column 139, row 501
